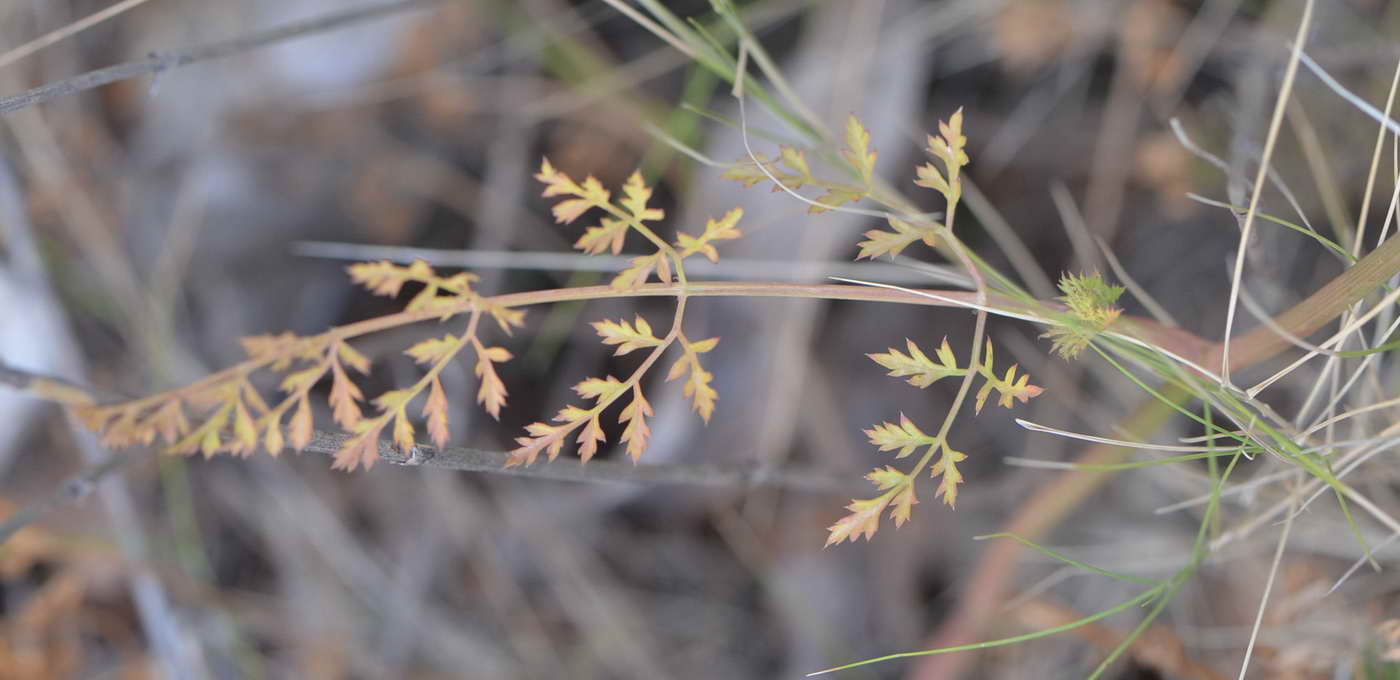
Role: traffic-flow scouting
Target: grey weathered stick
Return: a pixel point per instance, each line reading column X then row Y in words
column 80, row 485
column 13, row 377
column 72, row 490
column 598, row 471
column 169, row 60
column 454, row 458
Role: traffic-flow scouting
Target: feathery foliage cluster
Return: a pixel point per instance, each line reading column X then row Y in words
column 630, row 214
column 228, row 413
column 1091, row 311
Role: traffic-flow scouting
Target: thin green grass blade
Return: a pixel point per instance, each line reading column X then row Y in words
column 761, row 133
column 1070, row 560
column 1135, row 602
column 1159, row 396
column 1323, row 240
column 1358, row 353
column 1133, row 465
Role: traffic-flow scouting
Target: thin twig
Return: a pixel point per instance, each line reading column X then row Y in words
column 1279, row 107
column 596, row 471
column 72, row 29
column 81, row 484
column 72, row 490
column 454, row 458
column 1264, row 599
column 15, row 378
column 173, row 59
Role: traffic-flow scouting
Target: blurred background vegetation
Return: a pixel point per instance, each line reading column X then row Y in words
column 149, row 224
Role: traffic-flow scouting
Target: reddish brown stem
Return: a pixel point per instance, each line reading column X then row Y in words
column 1050, row 505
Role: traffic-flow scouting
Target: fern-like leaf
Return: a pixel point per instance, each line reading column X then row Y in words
column 273, row 439
column 879, row 242
column 403, row 430
column 796, row 159
column 362, row 450
column 906, row 436
column 864, row 520
column 947, row 467
column 299, row 428
column 245, row 433
column 1009, row 387
column 1092, row 310
column 637, row 433
column 609, row 235
column 858, row 152
column 506, row 317
column 491, row 393
column 169, row 421
column 929, row 177
column 605, row 388
column 715, row 230
column 641, row 270
column 950, row 146
column 381, row 278
column 344, row 398
column 835, row 197
column 749, row 173
column 286, row 347
column 433, row 350
column 903, row 505
column 589, row 439
column 916, row 367
column 627, row 336
column 697, row 386
column 435, row 410
column 206, row 438
column 635, row 196
column 864, row 517
column 588, row 195
column 386, row 278
column 540, row 437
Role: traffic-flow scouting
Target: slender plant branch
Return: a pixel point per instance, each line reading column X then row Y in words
column 158, row 62
column 598, row 471
column 70, row 491
column 1257, row 345
column 1317, row 310
column 70, row 30
column 1279, row 107
column 1302, row 319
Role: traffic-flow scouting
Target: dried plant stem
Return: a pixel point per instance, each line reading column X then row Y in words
column 1259, row 344
column 72, row 490
column 1246, row 229
column 72, row 29
column 173, row 59
column 1317, row 310
column 1175, row 340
